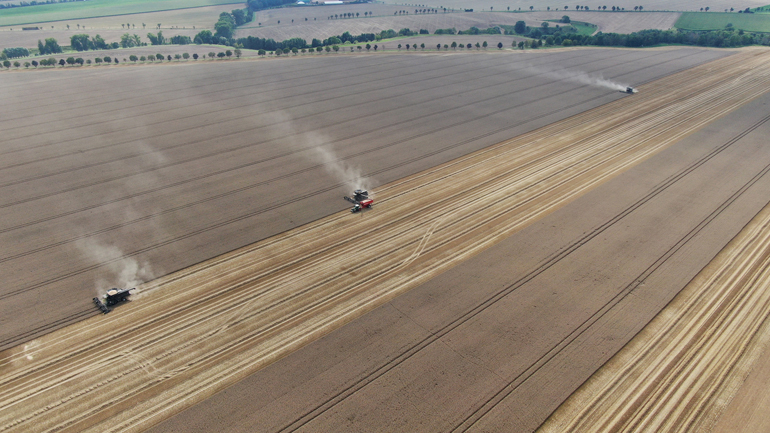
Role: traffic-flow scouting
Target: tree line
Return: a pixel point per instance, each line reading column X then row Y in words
column 108, row 59
column 11, row 53
column 568, row 36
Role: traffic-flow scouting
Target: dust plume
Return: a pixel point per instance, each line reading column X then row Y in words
column 596, row 80
column 350, row 176
column 125, row 273
column 318, row 148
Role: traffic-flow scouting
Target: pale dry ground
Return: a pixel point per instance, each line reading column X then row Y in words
column 142, row 170
column 747, row 411
column 682, row 370
column 383, row 20
column 194, row 332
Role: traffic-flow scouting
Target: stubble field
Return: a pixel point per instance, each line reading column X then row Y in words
column 123, row 177
column 537, row 259
column 594, row 223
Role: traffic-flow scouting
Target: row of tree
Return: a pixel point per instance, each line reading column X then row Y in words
column 107, row 59
column 337, row 48
column 346, row 15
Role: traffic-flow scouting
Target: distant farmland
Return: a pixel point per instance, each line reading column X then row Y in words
column 719, row 20
column 96, row 8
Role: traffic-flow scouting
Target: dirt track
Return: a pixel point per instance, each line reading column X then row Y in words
column 197, row 331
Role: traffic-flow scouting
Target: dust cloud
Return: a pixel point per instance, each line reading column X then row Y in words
column 318, row 148
column 126, row 272
column 580, row 77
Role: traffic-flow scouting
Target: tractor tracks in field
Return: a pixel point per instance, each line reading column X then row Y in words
column 32, row 333
column 271, row 108
column 680, row 371
column 512, row 385
column 555, row 129
column 296, row 283
column 208, row 199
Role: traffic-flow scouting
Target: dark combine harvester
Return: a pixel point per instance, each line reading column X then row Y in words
column 112, row 297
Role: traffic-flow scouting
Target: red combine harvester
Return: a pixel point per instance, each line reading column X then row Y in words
column 360, row 199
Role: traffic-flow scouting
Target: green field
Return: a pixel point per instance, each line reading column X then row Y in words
column 582, row 28
column 718, row 20
column 95, row 8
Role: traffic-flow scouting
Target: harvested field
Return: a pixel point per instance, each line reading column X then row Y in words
column 322, row 28
column 479, row 327
column 585, row 279
column 609, row 22
column 694, row 355
column 140, row 161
